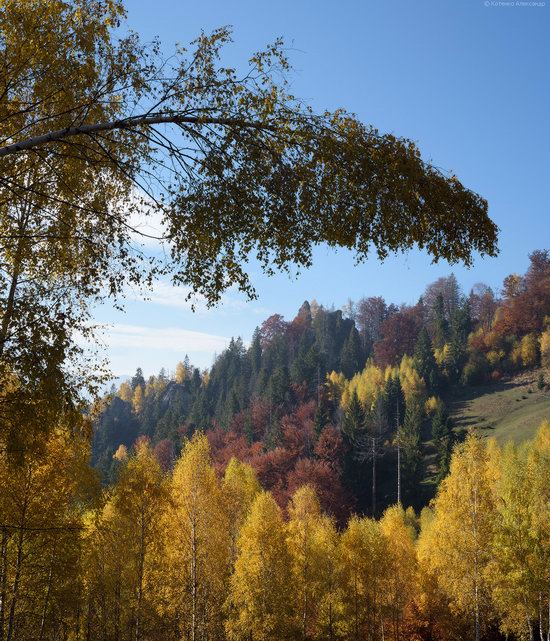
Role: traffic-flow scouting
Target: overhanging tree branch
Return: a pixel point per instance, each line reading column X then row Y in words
column 146, row 120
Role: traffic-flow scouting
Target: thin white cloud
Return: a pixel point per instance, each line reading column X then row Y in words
column 150, row 233
column 172, row 339
column 147, row 221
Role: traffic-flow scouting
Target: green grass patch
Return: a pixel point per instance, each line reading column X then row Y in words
column 506, row 410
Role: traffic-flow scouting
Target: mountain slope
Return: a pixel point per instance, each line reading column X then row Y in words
column 511, row 409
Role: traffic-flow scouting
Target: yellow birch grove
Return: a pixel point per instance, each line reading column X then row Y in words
column 192, row 556
column 400, row 577
column 520, row 566
column 330, row 599
column 364, row 568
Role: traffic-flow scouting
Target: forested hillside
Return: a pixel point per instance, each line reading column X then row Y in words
column 355, row 401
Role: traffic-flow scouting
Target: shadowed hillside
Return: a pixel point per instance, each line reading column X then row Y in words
column 511, row 409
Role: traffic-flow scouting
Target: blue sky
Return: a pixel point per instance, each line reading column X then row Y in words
column 467, row 81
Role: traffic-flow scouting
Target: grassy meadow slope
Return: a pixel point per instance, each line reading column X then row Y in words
column 511, row 409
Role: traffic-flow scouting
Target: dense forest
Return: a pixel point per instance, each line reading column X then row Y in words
column 197, row 556
column 347, row 400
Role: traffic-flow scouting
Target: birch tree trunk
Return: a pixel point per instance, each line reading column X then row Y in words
column 373, row 480
column 3, row 578
column 19, row 558
column 194, row 581
column 47, row 595
column 141, row 565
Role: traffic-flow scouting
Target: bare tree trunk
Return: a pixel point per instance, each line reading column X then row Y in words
column 176, row 630
column 103, row 604
column 529, row 620
column 476, row 569
column 356, row 607
column 541, row 626
column 78, row 616
column 398, row 472
column 397, row 421
column 305, row 577
column 19, row 560
column 476, row 614
column 15, row 586
column 118, row 608
column 194, row 581
column 3, row 578
column 304, row 615
column 141, row 565
column 15, row 274
column 10, row 301
column 530, row 628
column 89, row 619
column 373, row 480
column 47, row 596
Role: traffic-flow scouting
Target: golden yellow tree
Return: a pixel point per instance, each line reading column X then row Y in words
column 259, row 606
column 364, row 572
column 181, row 373
column 335, row 383
column 538, row 466
column 137, row 400
column 330, row 607
column 519, row 572
column 544, row 344
column 121, row 453
column 368, row 384
column 41, row 498
column 306, row 555
column 122, row 543
column 125, row 392
column 399, row 588
column 194, row 567
column 313, row 543
column 413, row 385
column 240, row 486
column 461, row 533
column 107, row 580
column 431, row 602
column 529, row 350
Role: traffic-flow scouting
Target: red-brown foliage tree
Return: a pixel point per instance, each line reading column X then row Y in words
column 327, row 483
column 399, row 334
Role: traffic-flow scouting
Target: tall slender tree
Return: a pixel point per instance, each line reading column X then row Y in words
column 364, row 567
column 259, row 604
column 411, row 450
column 196, row 558
column 464, row 519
